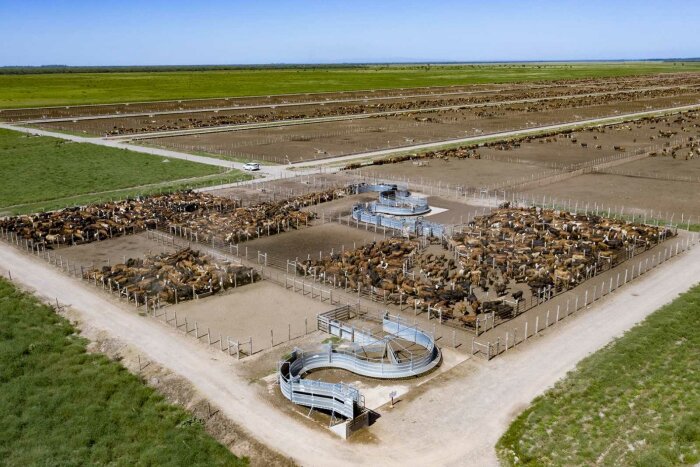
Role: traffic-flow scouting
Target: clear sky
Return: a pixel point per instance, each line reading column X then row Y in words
column 157, row 32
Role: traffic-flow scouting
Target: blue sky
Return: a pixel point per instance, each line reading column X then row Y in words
column 126, row 32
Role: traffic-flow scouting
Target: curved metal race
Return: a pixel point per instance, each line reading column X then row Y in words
column 344, row 399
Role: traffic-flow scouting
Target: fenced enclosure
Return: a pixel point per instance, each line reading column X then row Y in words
column 578, row 299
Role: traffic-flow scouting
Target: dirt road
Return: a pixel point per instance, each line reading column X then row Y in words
column 454, row 420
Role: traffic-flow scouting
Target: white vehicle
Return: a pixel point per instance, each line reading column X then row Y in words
column 251, row 166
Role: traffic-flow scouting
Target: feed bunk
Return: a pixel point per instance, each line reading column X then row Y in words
column 400, row 351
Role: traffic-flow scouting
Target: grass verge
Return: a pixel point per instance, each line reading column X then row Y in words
column 635, row 402
column 113, row 195
column 63, row 406
column 36, row 90
column 44, row 172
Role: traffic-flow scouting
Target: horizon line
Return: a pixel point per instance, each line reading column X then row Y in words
column 365, row 63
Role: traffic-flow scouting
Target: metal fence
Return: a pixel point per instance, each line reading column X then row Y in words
column 344, row 399
column 418, row 226
column 580, row 300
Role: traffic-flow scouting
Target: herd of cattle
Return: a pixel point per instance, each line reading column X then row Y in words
column 526, row 101
column 545, row 249
column 234, row 117
column 687, row 149
column 175, row 277
column 171, row 278
column 202, row 214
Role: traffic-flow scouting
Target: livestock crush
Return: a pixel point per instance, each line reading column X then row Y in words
column 401, row 350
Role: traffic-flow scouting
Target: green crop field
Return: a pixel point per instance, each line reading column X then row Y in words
column 63, row 406
column 46, row 173
column 636, row 402
column 34, row 90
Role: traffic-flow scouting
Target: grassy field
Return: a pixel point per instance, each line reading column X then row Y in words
column 636, row 402
column 89, row 88
column 42, row 172
column 63, row 406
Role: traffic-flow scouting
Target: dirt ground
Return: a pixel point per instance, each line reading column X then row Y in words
column 343, row 206
column 284, row 188
column 310, row 241
column 661, row 167
column 113, row 251
column 252, row 311
column 465, row 172
column 452, row 212
column 635, row 194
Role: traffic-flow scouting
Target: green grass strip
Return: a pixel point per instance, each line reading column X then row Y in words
column 635, row 402
column 50, row 172
column 63, row 406
column 37, row 90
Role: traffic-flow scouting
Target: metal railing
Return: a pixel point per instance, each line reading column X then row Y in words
column 412, row 226
column 338, row 398
column 344, row 399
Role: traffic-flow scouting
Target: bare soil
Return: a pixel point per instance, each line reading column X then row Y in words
column 284, row 188
column 662, row 167
column 635, row 194
column 114, row 251
column 312, row 240
column 252, row 311
column 453, row 172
